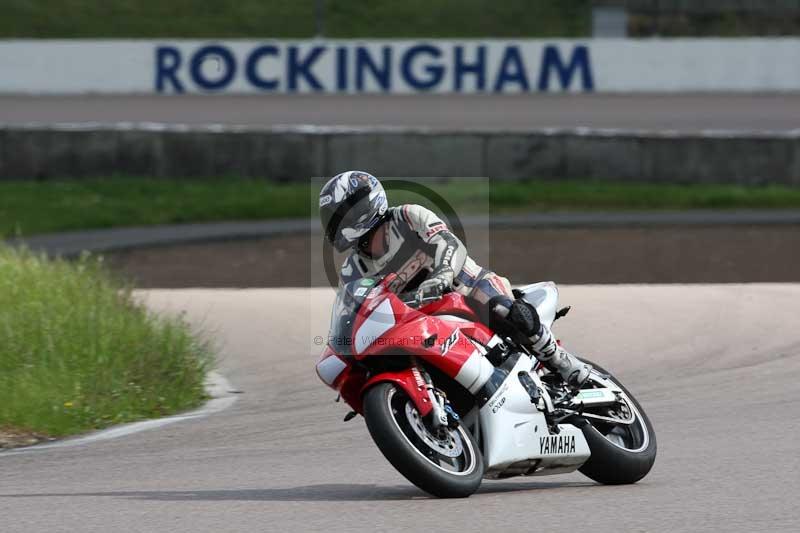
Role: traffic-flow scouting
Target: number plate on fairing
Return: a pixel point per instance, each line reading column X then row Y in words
column 595, row 397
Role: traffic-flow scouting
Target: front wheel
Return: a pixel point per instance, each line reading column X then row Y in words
column 447, row 463
column 621, row 452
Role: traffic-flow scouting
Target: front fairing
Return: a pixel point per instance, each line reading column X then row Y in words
column 374, row 332
column 369, row 319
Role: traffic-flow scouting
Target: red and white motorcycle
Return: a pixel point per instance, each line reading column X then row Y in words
column 448, row 402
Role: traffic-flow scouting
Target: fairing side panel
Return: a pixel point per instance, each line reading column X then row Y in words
column 516, row 434
column 510, row 422
column 444, row 344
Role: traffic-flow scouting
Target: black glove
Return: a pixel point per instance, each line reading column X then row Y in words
column 525, row 318
column 440, row 281
column 517, row 320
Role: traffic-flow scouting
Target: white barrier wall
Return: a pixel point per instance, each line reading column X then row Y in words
column 439, row 66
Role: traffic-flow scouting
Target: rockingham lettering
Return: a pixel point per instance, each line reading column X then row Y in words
column 358, row 67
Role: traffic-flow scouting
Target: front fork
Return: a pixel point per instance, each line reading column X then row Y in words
column 442, row 413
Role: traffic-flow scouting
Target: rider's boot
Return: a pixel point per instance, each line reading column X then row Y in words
column 573, row 371
column 544, row 346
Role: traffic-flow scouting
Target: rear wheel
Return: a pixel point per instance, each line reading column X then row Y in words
column 446, row 463
column 621, row 452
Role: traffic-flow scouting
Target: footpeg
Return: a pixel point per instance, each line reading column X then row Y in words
column 562, row 312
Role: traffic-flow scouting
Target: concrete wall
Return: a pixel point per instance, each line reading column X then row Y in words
column 475, row 66
column 294, row 154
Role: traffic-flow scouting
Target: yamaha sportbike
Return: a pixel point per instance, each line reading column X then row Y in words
column 449, row 402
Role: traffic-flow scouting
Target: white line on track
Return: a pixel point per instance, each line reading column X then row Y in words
column 217, row 387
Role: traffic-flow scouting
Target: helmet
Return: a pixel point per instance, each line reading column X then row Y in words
column 350, row 205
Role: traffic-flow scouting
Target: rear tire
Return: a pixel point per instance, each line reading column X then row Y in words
column 610, row 463
column 387, row 413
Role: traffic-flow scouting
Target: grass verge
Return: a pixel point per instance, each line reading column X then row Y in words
column 294, row 18
column 78, row 353
column 29, row 208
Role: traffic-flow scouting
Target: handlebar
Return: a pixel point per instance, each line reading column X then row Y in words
column 412, row 300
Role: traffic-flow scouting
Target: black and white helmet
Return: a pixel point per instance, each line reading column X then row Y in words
column 351, row 204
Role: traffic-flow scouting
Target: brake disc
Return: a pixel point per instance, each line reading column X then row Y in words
column 448, row 444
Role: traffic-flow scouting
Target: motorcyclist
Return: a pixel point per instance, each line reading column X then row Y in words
column 414, row 243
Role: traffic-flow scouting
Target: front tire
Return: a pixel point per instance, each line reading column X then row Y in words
column 448, row 465
column 620, row 455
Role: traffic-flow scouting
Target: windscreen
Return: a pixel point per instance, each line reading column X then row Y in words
column 349, row 300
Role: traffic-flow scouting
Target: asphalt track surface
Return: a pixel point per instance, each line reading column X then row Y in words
column 685, row 113
column 715, row 366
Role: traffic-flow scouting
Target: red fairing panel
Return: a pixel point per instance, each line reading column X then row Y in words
column 455, row 304
column 447, row 348
column 451, row 304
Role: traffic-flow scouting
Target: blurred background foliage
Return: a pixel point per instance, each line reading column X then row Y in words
column 293, row 18
column 387, row 18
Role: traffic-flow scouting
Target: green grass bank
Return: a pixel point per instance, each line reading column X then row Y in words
column 268, row 19
column 275, row 19
column 78, row 353
column 28, row 208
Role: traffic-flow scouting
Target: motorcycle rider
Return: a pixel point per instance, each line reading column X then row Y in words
column 414, row 243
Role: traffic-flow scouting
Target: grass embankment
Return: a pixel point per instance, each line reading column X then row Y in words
column 294, row 18
column 78, row 353
column 272, row 19
column 28, row 208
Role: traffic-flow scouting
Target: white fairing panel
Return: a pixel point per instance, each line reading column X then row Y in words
column 452, row 318
column 379, row 321
column 475, row 372
column 517, row 439
column 329, row 369
column 510, row 422
column 544, row 297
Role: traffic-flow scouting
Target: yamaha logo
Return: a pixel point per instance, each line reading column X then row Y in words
column 449, row 342
column 557, row 444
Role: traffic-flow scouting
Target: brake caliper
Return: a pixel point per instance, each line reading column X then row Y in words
column 452, row 417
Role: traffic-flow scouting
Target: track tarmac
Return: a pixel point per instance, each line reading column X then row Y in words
column 715, row 366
